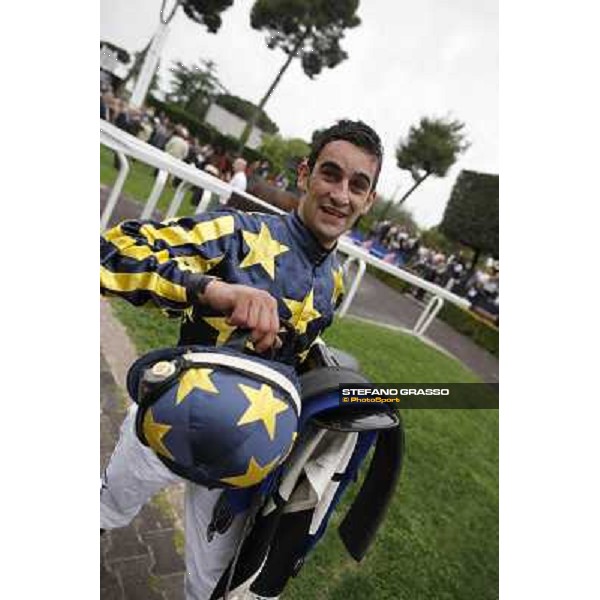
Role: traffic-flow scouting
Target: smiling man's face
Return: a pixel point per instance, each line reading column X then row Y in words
column 338, row 191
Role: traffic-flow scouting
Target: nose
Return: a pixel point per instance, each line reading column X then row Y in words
column 340, row 194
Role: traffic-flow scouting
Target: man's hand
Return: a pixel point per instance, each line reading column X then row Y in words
column 248, row 308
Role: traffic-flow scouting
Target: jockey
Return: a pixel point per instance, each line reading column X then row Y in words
column 224, row 273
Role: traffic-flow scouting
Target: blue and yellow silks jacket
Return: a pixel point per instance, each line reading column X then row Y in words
column 150, row 262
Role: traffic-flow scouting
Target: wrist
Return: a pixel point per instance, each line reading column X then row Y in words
column 198, row 286
column 211, row 286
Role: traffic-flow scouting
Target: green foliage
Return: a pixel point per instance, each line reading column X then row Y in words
column 206, row 12
column 245, row 110
column 284, row 153
column 193, row 87
column 471, row 216
column 309, row 29
column 431, row 148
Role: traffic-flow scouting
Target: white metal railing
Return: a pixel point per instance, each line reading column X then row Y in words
column 126, row 145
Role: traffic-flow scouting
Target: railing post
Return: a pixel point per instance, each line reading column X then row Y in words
column 182, row 188
column 115, row 192
column 429, row 313
column 152, row 201
column 432, row 315
column 354, row 285
column 207, row 199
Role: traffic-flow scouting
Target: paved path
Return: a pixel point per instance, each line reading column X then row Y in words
column 376, row 301
column 139, row 562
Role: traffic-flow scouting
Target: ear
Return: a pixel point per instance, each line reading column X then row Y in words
column 368, row 203
column 303, row 175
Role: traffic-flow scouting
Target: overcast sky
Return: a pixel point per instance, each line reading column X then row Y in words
column 406, row 60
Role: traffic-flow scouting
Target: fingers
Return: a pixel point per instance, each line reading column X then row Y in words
column 256, row 310
column 264, row 333
column 239, row 315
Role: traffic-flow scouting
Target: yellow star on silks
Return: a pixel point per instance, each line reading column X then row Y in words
column 155, row 432
column 195, row 378
column 302, row 312
column 338, row 285
column 220, row 324
column 263, row 250
column 264, row 406
column 197, row 264
column 254, row 474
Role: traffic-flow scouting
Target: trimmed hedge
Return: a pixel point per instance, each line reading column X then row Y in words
column 484, row 335
column 481, row 333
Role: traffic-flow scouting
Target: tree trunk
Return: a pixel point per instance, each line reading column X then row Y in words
column 256, row 114
column 399, row 203
column 414, row 187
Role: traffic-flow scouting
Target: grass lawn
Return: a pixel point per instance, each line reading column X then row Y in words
column 139, row 182
column 440, row 537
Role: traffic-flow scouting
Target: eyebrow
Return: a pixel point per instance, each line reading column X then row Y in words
column 333, row 165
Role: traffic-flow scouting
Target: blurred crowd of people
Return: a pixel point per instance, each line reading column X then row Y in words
column 160, row 131
column 397, row 245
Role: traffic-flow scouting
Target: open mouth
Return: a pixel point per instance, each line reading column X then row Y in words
column 333, row 212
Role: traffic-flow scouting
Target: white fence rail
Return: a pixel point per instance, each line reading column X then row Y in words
column 126, row 145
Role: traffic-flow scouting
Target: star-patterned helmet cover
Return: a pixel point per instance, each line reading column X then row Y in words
column 227, row 422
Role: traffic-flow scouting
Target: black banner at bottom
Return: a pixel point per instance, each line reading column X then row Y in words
column 421, row 395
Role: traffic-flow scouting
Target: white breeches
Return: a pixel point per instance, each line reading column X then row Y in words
column 133, row 475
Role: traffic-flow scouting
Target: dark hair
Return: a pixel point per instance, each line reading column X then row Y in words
column 355, row 132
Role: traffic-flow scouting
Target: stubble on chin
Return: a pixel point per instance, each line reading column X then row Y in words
column 329, row 235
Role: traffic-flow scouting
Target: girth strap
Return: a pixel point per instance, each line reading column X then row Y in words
column 364, row 517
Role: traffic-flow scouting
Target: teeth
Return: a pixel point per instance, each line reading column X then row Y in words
column 333, row 212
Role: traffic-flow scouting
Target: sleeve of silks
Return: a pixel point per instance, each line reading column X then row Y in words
column 149, row 261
